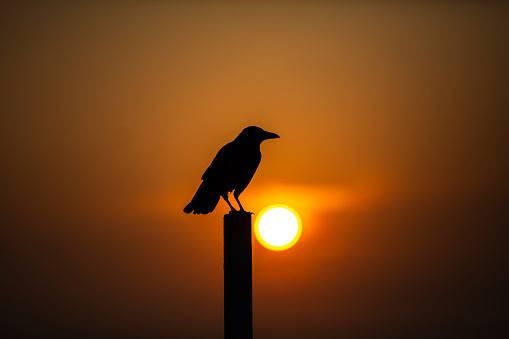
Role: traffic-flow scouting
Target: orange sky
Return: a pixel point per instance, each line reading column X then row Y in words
column 393, row 124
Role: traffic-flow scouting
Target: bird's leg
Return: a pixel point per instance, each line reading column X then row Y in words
column 238, row 202
column 225, row 197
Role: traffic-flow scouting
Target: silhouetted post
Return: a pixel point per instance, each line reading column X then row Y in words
column 238, row 296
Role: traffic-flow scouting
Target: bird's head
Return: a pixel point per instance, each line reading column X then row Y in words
column 254, row 134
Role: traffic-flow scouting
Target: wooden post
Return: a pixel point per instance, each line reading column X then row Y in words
column 238, row 296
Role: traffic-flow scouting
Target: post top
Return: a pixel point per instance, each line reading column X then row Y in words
column 238, row 216
column 238, row 212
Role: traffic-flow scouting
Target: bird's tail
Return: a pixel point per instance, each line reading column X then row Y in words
column 204, row 201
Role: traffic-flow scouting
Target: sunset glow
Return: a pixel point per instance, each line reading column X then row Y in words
column 393, row 126
column 278, row 227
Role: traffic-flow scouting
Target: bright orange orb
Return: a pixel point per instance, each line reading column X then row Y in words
column 278, row 227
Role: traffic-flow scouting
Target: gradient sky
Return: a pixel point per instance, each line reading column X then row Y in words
column 393, row 120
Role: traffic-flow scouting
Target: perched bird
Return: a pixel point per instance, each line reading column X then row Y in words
column 231, row 170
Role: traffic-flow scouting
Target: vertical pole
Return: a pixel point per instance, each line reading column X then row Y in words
column 238, row 298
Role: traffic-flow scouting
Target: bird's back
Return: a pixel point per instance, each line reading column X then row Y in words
column 234, row 166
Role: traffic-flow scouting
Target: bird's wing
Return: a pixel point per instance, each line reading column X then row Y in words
column 221, row 163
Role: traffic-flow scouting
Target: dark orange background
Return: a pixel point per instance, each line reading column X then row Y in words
column 393, row 119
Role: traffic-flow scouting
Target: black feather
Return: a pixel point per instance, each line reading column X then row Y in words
column 231, row 170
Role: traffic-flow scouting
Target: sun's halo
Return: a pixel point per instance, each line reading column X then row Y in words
column 278, row 227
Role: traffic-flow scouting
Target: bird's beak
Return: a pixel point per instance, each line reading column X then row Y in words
column 269, row 135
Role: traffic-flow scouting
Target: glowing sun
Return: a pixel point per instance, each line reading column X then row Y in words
column 278, row 227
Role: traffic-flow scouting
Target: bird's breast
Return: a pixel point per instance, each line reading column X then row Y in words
column 244, row 167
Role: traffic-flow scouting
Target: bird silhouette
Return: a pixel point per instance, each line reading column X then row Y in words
column 231, row 170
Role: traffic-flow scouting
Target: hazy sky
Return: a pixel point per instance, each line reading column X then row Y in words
column 393, row 119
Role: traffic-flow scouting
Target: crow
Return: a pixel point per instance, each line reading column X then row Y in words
column 231, row 170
